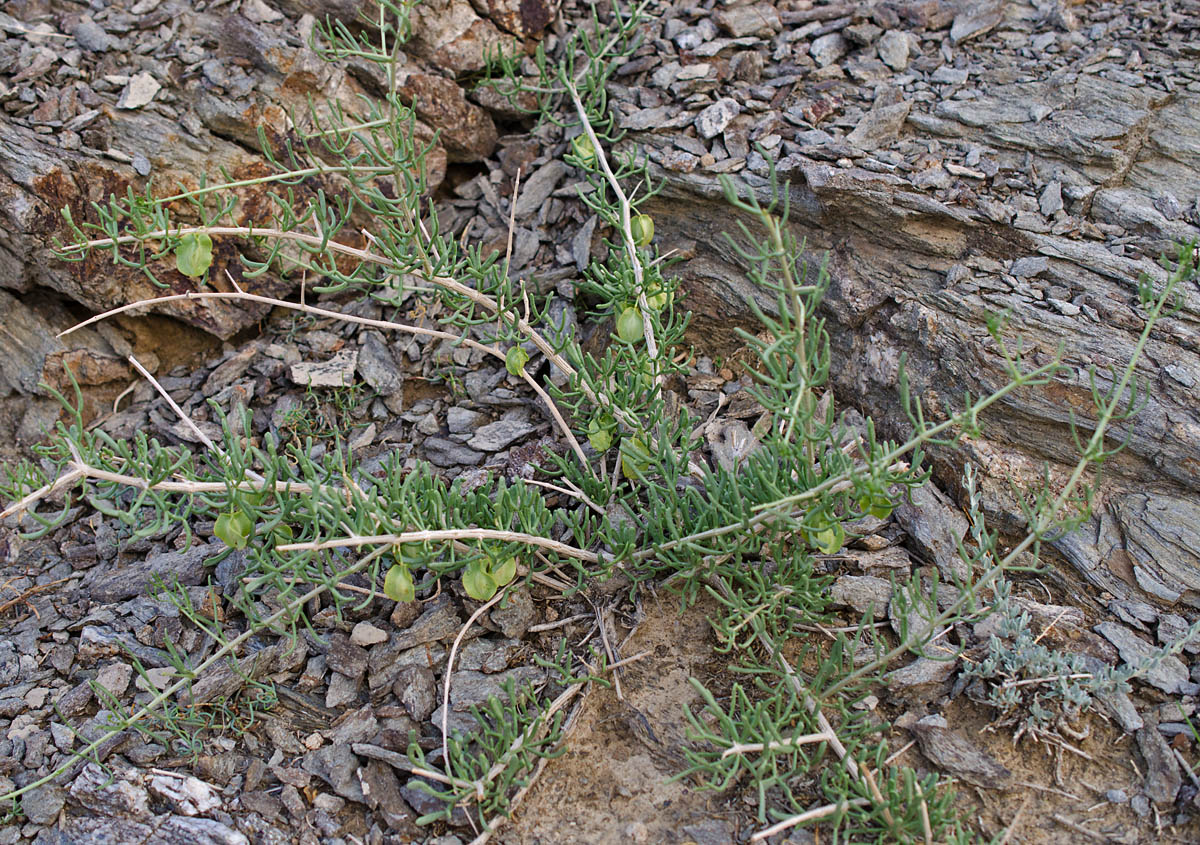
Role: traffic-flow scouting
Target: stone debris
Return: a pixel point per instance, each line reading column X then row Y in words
column 139, row 91
column 1168, row 673
column 338, row 371
column 714, row 119
column 500, row 435
column 366, row 634
column 955, row 754
column 863, row 593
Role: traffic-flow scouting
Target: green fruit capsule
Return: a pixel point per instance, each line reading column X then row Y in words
column 194, row 254
column 581, row 147
column 505, row 571
column 876, row 504
column 515, row 361
column 635, row 458
column 658, row 298
column 630, row 326
column 398, row 584
column 827, row 539
column 478, row 584
column 234, row 529
column 599, row 436
column 641, row 228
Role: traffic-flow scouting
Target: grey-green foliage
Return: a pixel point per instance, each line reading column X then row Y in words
column 1040, row 691
column 1033, row 687
column 646, row 506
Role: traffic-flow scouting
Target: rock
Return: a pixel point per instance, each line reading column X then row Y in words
column 880, row 126
column 1163, row 777
column 466, row 130
column 377, row 366
column 346, row 657
column 42, row 805
column 1168, row 674
column 515, row 613
column 357, row 726
column 338, row 371
column 1025, row 268
column 1173, row 628
column 256, row 11
column 1050, row 202
column 951, row 751
column 862, row 34
column 164, row 828
column 463, row 421
column 472, row 689
column 451, row 36
column 92, row 37
column 947, row 75
column 893, row 49
column 975, row 18
column 138, row 577
column 446, row 453
column 337, row 766
column 139, row 91
column 919, row 673
column 747, row 66
column 366, row 634
column 863, row 593
column 416, row 689
column 440, row 621
column 828, row 49
column 487, row 655
column 523, row 18
column 1162, row 539
column 709, row 832
column 381, row 788
column 760, row 19
column 935, row 177
column 95, row 790
column 223, row 680
column 420, row 798
column 499, row 435
column 186, row 795
column 713, row 120
column 115, row 678
column 536, row 189
column 935, row 527
column 75, row 700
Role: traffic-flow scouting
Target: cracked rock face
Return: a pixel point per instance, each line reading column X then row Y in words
column 968, row 185
column 193, row 108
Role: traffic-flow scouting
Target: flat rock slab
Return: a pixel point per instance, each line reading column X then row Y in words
column 500, row 435
column 338, row 371
column 954, row 753
column 139, row 577
column 1167, row 673
column 139, row 91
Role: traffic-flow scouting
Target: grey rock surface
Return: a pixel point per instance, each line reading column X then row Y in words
column 138, row 577
column 1167, row 673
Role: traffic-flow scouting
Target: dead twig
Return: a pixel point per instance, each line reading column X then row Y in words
column 25, row 595
column 807, row 816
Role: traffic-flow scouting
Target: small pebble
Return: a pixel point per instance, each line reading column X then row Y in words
column 365, row 634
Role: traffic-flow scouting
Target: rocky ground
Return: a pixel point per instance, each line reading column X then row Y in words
column 935, row 143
